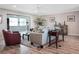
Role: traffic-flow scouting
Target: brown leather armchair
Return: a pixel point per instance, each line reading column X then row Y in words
column 11, row 38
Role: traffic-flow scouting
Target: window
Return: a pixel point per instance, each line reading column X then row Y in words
column 18, row 23
column 22, row 21
column 13, row 21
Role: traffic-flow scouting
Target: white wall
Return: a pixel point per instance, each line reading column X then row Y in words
column 73, row 27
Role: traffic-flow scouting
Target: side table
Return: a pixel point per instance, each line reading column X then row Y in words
column 53, row 33
column 27, row 34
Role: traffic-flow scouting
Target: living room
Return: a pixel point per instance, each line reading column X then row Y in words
column 32, row 20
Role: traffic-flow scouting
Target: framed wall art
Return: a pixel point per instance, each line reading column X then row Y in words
column 71, row 18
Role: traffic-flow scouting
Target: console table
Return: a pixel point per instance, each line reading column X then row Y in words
column 56, row 34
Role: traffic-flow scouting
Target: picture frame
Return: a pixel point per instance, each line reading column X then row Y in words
column 71, row 18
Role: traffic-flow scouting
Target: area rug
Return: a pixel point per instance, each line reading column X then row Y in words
column 27, row 43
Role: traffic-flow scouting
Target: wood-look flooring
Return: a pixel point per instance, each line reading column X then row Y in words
column 69, row 46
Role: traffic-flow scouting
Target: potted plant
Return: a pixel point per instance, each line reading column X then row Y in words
column 39, row 22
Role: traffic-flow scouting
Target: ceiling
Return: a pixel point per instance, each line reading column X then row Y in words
column 41, row 9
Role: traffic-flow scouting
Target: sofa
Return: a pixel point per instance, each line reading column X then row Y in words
column 39, row 38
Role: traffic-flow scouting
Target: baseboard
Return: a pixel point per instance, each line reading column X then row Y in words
column 74, row 34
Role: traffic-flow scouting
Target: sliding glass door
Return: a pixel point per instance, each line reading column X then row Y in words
column 18, row 23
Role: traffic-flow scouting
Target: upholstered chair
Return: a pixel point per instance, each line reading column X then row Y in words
column 11, row 38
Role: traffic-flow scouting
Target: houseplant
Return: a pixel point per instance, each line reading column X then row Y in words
column 39, row 23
